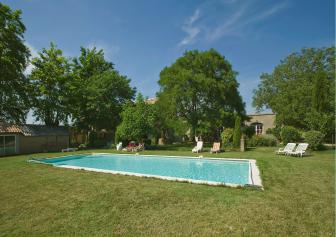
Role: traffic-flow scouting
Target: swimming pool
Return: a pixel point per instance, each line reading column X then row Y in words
column 220, row 171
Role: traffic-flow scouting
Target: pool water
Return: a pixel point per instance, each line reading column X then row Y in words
column 197, row 170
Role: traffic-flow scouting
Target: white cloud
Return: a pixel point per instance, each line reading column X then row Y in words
column 191, row 30
column 195, row 16
column 110, row 51
column 268, row 12
column 33, row 54
column 227, row 18
column 241, row 18
column 228, row 26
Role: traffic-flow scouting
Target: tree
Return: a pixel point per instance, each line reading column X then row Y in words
column 301, row 90
column 14, row 57
column 203, row 90
column 237, row 132
column 168, row 125
column 105, row 95
column 98, row 92
column 49, row 80
column 137, row 120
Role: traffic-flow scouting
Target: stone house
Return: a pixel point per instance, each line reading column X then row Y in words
column 261, row 122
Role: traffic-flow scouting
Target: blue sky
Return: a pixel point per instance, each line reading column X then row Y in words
column 142, row 36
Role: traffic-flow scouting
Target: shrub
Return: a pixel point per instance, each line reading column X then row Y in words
column 289, row 134
column 147, row 142
column 262, row 140
column 274, row 131
column 249, row 131
column 95, row 142
column 237, row 132
column 227, row 136
column 314, row 139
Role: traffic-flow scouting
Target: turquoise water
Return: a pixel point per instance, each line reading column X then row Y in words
column 198, row 169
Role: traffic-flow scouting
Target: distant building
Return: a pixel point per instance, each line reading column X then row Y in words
column 261, row 122
column 151, row 100
column 28, row 138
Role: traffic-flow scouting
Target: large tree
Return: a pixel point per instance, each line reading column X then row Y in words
column 13, row 61
column 97, row 91
column 203, row 90
column 49, row 80
column 301, row 90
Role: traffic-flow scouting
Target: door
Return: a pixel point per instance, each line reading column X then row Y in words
column 7, row 145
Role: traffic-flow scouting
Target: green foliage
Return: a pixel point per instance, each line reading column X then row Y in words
column 314, row 139
column 137, row 121
column 13, row 61
column 262, row 140
column 95, row 141
column 249, row 131
column 227, row 136
column 202, row 90
column 167, row 125
column 290, row 134
column 301, row 90
column 322, row 122
column 97, row 92
column 274, row 131
column 49, row 80
column 237, row 132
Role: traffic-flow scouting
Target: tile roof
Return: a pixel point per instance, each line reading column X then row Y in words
column 34, row 130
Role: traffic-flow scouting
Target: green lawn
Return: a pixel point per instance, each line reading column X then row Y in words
column 40, row 200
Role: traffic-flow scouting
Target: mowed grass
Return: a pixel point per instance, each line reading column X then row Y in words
column 41, row 200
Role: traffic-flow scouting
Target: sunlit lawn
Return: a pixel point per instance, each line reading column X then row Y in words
column 40, row 200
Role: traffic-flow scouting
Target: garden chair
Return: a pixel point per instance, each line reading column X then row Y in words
column 198, row 147
column 300, row 150
column 288, row 148
column 215, row 147
column 119, row 146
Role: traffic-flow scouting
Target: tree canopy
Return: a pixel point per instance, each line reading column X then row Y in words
column 14, row 57
column 98, row 91
column 301, row 90
column 49, row 80
column 203, row 90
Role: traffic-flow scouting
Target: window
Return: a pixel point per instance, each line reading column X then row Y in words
column 7, row 145
column 258, row 129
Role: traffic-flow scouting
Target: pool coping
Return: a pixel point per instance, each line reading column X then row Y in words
column 254, row 173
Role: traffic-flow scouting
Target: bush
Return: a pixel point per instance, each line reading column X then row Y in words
column 147, row 142
column 274, row 131
column 290, row 134
column 314, row 139
column 226, row 137
column 249, row 131
column 95, row 142
column 262, row 140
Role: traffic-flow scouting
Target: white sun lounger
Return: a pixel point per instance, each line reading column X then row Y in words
column 288, row 148
column 69, row 149
column 119, row 146
column 300, row 150
column 198, row 147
